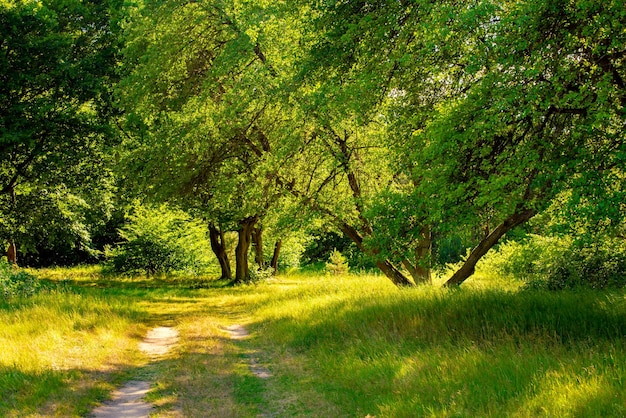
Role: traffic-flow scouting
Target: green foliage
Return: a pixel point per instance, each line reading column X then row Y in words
column 16, row 282
column 57, row 64
column 323, row 243
column 449, row 249
column 160, row 240
column 597, row 267
column 258, row 274
column 293, row 246
column 556, row 263
column 529, row 259
column 51, row 226
column 337, row 263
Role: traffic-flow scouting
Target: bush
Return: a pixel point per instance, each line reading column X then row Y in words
column 556, row 262
column 596, row 268
column 160, row 240
column 15, row 282
column 337, row 263
column 529, row 259
column 258, row 274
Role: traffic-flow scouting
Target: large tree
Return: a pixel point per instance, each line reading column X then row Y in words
column 494, row 107
column 389, row 118
column 57, row 59
column 351, row 161
column 201, row 105
column 539, row 109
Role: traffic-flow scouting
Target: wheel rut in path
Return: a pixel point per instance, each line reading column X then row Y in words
column 239, row 332
column 127, row 401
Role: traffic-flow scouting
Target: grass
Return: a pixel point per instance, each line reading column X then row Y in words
column 64, row 347
column 347, row 346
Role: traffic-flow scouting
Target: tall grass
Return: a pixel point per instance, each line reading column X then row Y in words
column 63, row 348
column 373, row 349
column 337, row 346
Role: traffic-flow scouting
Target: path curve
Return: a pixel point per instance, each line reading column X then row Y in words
column 127, row 401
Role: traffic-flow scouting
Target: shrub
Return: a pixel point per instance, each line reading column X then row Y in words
column 160, row 240
column 529, row 259
column 556, row 262
column 15, row 282
column 596, row 268
column 337, row 263
column 258, row 274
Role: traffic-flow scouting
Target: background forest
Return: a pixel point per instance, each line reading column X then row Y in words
column 231, row 138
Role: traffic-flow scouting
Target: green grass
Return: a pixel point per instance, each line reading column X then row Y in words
column 343, row 346
column 371, row 349
column 63, row 349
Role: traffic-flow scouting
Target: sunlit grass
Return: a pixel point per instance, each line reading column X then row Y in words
column 348, row 345
column 478, row 351
column 64, row 348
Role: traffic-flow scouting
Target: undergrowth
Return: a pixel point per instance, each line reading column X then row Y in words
column 15, row 282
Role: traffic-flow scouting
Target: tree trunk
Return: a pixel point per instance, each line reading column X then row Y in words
column 385, row 266
column 12, row 253
column 274, row 263
column 420, row 271
column 393, row 274
column 219, row 248
column 257, row 239
column 467, row 269
column 242, row 270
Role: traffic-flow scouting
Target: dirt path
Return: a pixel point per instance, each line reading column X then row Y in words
column 238, row 332
column 127, row 401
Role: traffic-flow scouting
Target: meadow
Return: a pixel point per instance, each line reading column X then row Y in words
column 337, row 346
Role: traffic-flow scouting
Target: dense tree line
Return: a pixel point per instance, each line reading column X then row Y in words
column 401, row 124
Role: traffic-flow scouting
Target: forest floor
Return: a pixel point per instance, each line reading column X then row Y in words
column 310, row 345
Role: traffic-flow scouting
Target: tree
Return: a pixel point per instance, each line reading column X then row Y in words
column 498, row 106
column 57, row 59
column 540, row 110
column 199, row 111
column 394, row 120
column 350, row 158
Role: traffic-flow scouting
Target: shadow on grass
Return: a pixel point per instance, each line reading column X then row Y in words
column 486, row 353
column 413, row 353
column 483, row 317
column 72, row 392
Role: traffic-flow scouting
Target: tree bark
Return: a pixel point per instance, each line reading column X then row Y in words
column 274, row 263
column 468, row 268
column 419, row 268
column 242, row 270
column 257, row 239
column 12, row 253
column 385, row 266
column 219, row 248
column 393, row 274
